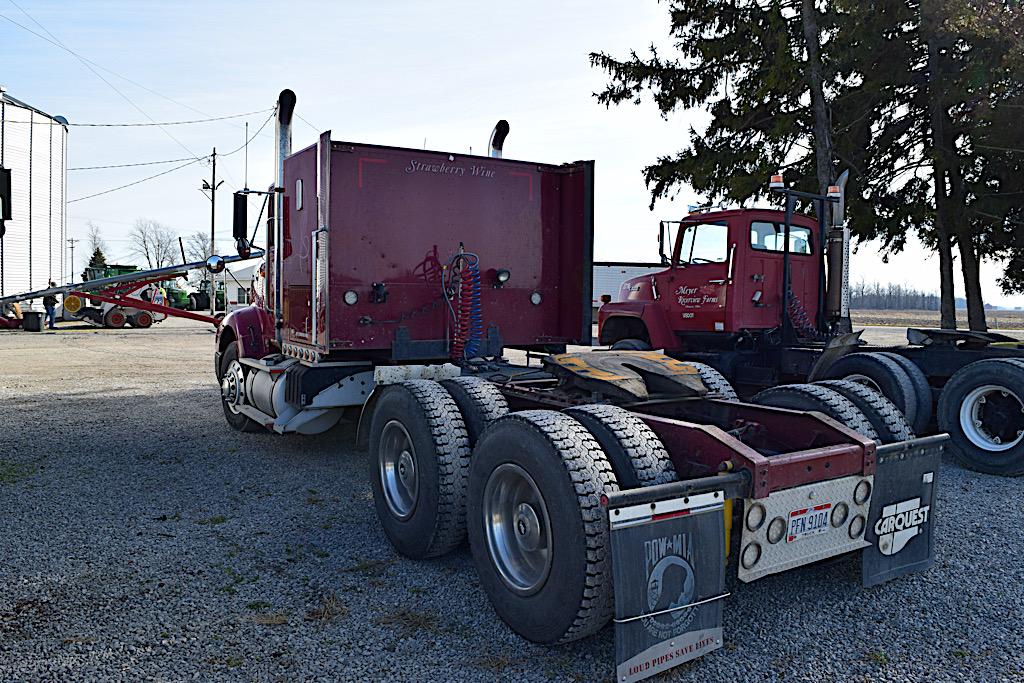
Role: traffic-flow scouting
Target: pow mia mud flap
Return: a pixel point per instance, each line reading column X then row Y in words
column 669, row 570
column 902, row 507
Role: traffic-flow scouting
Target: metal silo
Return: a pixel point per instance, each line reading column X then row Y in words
column 33, row 144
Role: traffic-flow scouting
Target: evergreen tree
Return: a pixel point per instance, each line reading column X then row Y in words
column 97, row 260
column 910, row 96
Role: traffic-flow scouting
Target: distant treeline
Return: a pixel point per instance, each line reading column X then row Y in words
column 891, row 297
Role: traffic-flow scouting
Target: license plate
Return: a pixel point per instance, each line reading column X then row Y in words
column 808, row 522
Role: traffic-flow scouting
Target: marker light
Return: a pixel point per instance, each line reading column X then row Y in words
column 755, row 517
column 351, row 297
column 502, row 276
column 776, row 182
column 833, row 191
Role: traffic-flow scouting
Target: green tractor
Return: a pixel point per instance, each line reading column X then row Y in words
column 199, row 300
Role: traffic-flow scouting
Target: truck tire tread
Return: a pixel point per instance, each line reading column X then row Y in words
column 636, row 453
column 479, row 401
column 714, row 381
column 451, row 449
column 922, row 389
column 889, row 375
column 590, row 475
column 821, row 399
column 886, row 418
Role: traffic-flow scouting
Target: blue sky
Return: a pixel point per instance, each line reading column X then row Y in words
column 389, row 72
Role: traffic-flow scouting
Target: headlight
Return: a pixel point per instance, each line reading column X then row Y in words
column 839, row 514
column 535, row 299
column 776, row 530
column 755, row 517
column 862, row 492
column 502, row 276
column 351, row 297
column 751, row 555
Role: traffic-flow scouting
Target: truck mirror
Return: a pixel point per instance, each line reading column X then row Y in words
column 215, row 264
column 240, row 221
column 5, row 195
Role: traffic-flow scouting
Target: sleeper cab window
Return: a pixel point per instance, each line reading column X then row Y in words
column 765, row 236
column 298, row 194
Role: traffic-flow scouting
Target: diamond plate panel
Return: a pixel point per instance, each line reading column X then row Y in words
column 786, row 554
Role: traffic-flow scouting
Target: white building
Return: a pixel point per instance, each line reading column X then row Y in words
column 609, row 276
column 33, row 145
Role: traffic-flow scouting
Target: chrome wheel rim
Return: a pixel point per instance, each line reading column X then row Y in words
column 992, row 418
column 518, row 529
column 398, row 475
column 232, row 386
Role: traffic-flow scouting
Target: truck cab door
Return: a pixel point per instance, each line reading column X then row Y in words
column 759, row 305
column 696, row 287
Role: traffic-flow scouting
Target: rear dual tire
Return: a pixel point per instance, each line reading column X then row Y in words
column 821, row 399
column 883, row 374
column 537, row 477
column 419, row 467
column 982, row 409
column 886, row 419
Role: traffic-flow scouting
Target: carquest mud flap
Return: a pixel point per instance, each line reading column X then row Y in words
column 668, row 563
column 900, row 523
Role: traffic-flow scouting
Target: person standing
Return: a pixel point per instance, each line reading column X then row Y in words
column 50, row 304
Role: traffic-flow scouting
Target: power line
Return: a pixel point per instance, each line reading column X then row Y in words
column 258, row 131
column 99, row 66
column 101, row 78
column 121, row 187
column 141, row 163
column 299, row 117
column 143, row 125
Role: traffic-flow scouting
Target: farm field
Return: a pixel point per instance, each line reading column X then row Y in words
column 997, row 319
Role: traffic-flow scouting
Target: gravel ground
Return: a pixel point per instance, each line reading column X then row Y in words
column 141, row 539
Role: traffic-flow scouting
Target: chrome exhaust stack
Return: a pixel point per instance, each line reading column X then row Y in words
column 838, row 295
column 283, row 133
column 497, row 140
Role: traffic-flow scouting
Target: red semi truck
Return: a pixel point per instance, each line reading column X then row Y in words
column 721, row 300
column 597, row 486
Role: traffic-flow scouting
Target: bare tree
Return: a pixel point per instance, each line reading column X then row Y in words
column 197, row 246
column 154, row 242
column 94, row 238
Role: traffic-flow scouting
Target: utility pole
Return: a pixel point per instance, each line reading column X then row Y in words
column 72, row 241
column 212, row 186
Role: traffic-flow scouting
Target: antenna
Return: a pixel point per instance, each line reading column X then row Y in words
column 247, row 155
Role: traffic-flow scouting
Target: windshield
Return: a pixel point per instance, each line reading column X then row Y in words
column 704, row 243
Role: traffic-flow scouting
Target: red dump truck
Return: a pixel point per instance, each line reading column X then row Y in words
column 620, row 486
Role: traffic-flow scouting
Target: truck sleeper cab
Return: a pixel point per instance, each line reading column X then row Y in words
column 560, row 476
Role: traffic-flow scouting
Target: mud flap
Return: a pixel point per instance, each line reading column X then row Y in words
column 668, row 563
column 900, row 523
